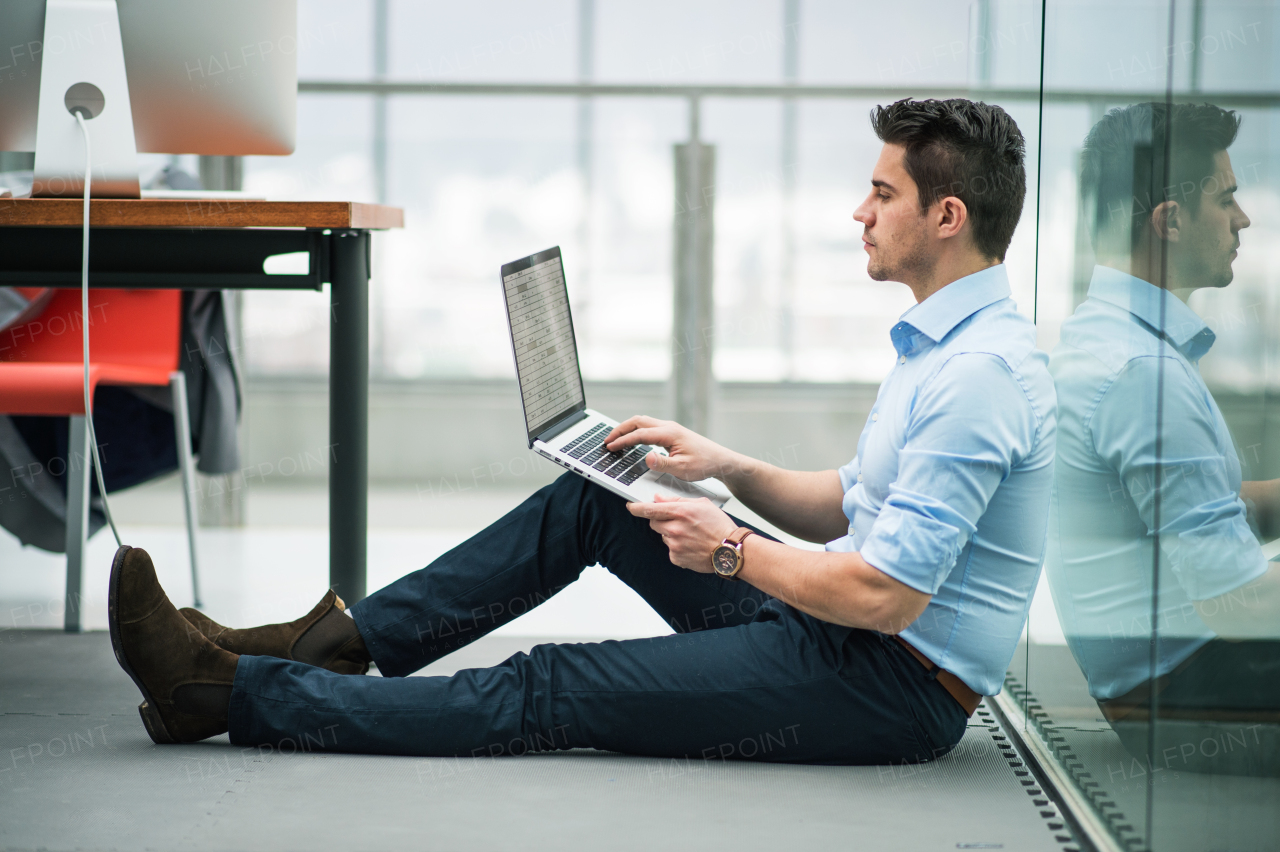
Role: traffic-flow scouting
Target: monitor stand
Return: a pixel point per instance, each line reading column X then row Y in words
column 83, row 66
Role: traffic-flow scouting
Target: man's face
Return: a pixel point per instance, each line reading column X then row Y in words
column 1209, row 234
column 894, row 227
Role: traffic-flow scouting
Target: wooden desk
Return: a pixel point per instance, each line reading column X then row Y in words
column 221, row 244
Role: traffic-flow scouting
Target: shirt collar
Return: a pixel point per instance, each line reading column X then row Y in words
column 937, row 315
column 1182, row 326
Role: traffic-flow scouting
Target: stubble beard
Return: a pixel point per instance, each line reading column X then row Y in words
column 1228, row 272
column 1217, row 271
column 913, row 264
column 1227, row 276
column 876, row 271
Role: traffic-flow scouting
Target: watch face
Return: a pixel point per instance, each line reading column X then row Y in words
column 725, row 559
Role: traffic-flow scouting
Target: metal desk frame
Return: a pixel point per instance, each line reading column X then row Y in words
column 232, row 259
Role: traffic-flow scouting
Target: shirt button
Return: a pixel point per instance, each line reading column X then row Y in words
column 875, row 416
column 859, row 477
column 902, row 359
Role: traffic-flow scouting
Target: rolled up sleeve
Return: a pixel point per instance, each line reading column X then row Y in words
column 970, row 425
column 849, row 474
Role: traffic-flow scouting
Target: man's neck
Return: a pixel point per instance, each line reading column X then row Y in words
column 1154, row 271
column 945, row 273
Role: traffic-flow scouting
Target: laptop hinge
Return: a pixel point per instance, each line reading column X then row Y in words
column 559, row 426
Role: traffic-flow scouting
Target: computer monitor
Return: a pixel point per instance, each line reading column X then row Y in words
column 214, row 77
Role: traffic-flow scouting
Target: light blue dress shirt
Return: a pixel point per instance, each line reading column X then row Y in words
column 949, row 492
column 1115, row 373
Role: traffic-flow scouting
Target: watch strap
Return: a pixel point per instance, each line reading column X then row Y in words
column 739, row 535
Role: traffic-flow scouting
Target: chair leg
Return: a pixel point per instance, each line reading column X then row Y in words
column 182, row 425
column 79, row 463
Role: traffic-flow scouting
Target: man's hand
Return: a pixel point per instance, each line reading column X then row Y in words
column 690, row 529
column 690, row 456
column 837, row 587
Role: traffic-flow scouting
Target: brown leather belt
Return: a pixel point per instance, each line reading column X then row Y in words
column 960, row 691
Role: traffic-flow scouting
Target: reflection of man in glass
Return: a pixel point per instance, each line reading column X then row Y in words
column 1146, row 472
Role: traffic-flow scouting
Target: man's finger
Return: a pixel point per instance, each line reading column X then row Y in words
column 653, row 511
column 657, row 461
column 630, row 425
column 669, row 530
column 622, row 428
column 640, row 435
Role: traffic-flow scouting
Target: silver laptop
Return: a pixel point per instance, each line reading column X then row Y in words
column 560, row 426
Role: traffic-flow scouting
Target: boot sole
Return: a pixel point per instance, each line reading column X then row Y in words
column 147, row 709
column 154, row 724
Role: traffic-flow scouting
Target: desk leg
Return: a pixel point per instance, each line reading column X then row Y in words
column 78, row 475
column 349, row 413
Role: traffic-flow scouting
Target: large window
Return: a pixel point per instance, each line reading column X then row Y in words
column 485, row 178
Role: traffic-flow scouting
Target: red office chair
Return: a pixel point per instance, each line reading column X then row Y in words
column 134, row 339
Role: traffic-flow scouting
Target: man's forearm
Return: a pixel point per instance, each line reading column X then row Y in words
column 1265, row 497
column 806, row 504
column 840, row 588
column 1251, row 611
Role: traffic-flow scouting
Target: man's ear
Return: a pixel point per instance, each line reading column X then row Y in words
column 950, row 215
column 1166, row 219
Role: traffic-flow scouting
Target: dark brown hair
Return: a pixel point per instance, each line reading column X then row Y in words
column 967, row 149
column 1123, row 169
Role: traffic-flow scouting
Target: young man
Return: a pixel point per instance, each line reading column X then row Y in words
column 873, row 651
column 1149, row 503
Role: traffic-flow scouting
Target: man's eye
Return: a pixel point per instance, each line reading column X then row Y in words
column 884, row 197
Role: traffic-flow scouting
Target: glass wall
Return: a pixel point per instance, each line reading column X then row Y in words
column 1157, row 685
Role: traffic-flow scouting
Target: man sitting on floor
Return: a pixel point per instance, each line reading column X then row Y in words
column 874, row 651
column 1167, row 601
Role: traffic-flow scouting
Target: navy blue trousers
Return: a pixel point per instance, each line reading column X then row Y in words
column 744, row 677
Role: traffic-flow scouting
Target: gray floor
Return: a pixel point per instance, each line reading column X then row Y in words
column 1208, row 790
column 77, row 771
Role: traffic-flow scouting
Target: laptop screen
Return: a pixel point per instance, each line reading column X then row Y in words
column 542, row 338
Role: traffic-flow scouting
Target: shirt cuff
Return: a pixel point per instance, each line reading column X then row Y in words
column 913, row 549
column 1217, row 560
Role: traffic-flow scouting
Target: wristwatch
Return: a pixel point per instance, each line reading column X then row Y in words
column 727, row 558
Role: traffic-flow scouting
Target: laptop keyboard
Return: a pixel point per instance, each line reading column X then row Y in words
column 626, row 467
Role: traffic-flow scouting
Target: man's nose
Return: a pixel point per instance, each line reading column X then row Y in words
column 1242, row 221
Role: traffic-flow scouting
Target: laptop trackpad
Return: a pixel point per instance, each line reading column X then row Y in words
column 680, row 488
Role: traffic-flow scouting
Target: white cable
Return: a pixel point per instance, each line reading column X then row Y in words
column 84, row 323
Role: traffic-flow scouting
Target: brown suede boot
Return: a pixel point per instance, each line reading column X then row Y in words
column 326, row 637
column 184, row 678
